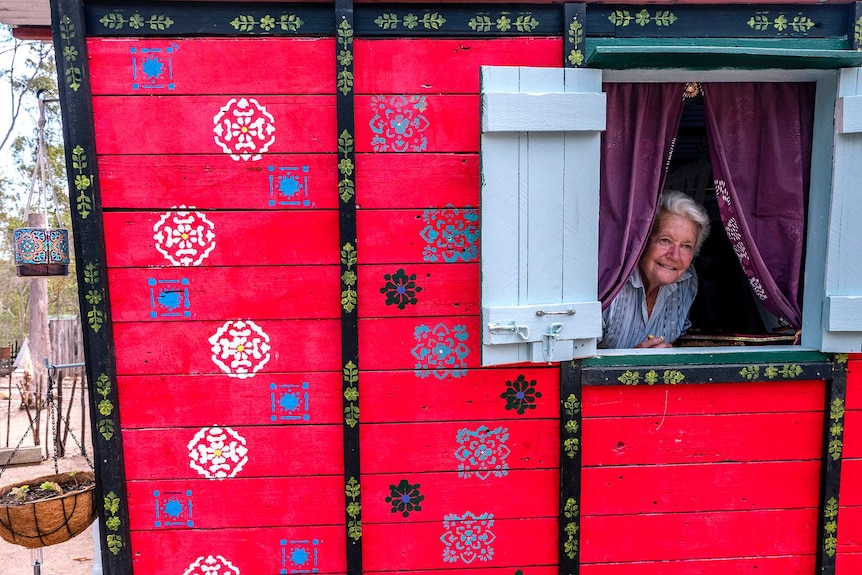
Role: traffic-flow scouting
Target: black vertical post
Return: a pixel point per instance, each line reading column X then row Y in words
column 830, row 471
column 574, row 35
column 70, row 48
column 570, row 467
column 344, row 53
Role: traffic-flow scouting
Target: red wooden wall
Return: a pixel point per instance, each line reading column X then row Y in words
column 207, row 253
column 850, row 515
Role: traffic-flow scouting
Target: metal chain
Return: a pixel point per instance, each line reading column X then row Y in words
column 51, row 371
column 52, row 416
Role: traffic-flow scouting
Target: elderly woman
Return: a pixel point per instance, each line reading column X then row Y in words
column 651, row 310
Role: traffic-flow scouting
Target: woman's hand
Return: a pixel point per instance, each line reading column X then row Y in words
column 653, row 342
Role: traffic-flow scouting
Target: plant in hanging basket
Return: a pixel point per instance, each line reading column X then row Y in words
column 47, row 510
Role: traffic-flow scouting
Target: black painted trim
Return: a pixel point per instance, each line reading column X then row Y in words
column 575, row 35
column 830, row 471
column 570, row 467
column 344, row 60
column 70, row 47
column 725, row 374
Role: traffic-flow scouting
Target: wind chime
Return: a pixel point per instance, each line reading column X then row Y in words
column 41, row 250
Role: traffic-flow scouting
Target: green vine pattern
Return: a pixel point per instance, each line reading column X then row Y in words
column 662, row 18
column 105, row 407
column 429, row 21
column 267, row 23
column 571, row 511
column 576, row 38
column 348, row 278
column 786, row 371
column 94, row 296
column 762, row 21
column 350, row 375
column 630, row 377
column 842, row 357
column 830, row 526
column 857, row 35
column 83, row 182
column 652, row 377
column 73, row 75
column 346, row 186
column 572, row 443
column 344, row 79
column 521, row 22
column 116, row 21
column 354, row 509
column 836, row 428
column 112, row 508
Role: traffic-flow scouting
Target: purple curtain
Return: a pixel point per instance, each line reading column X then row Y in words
column 760, row 147
column 642, row 123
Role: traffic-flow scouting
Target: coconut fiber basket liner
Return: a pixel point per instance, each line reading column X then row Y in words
column 52, row 520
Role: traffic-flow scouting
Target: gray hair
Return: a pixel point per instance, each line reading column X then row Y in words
column 679, row 204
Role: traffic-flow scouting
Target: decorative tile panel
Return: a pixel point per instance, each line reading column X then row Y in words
column 184, row 237
column 399, row 123
column 289, row 401
column 211, row 565
column 288, row 187
column 244, row 129
column 217, row 452
column 440, row 351
column 173, row 508
column 468, row 537
column 451, row 235
column 300, row 556
column 153, row 68
column 169, row 298
column 482, row 452
column 240, row 348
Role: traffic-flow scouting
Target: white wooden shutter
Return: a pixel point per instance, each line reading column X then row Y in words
column 842, row 303
column 541, row 130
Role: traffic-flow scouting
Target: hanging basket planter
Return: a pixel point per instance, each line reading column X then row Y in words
column 52, row 519
column 41, row 251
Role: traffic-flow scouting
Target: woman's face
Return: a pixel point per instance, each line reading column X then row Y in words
column 669, row 251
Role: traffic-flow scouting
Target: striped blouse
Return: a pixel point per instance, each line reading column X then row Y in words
column 625, row 322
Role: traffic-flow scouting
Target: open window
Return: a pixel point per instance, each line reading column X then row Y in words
column 831, row 314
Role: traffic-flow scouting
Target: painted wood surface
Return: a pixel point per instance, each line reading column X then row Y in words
column 189, row 400
column 848, row 563
column 207, row 293
column 792, row 565
column 272, row 451
column 417, row 180
column 197, row 66
column 184, row 125
column 629, row 490
column 479, row 395
column 445, row 492
column 265, row 502
column 216, row 181
column 853, row 436
column 445, row 235
column 249, row 550
column 433, row 447
column 433, row 348
column 702, row 439
column 443, row 66
column 418, row 290
column 394, row 123
column 850, row 530
column 185, row 348
column 238, row 238
column 697, row 535
column 418, row 545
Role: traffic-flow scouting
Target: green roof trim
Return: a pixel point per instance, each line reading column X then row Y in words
column 751, row 355
column 716, row 53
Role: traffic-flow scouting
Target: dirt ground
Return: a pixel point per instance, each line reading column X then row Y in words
column 74, row 557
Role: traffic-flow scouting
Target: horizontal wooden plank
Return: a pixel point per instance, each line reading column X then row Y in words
column 276, row 182
column 442, row 492
column 435, row 447
column 850, row 530
column 249, row 550
column 207, row 293
column 416, row 180
column 418, row 290
column 854, row 385
column 153, row 239
column 433, row 348
column 702, row 439
column 479, row 570
column 416, row 546
column 852, row 434
column 848, row 563
column 174, row 348
column 545, row 112
column 700, row 487
column 194, row 400
column 445, row 235
column 211, row 66
column 448, row 66
column 787, row 565
column 186, row 125
column 400, row 123
column 772, row 397
column 266, row 502
column 848, row 120
column 481, row 394
column 270, row 451
column 676, row 536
